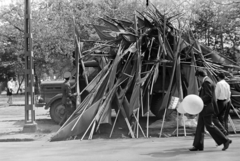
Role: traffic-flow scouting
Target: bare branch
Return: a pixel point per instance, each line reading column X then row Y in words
column 16, row 27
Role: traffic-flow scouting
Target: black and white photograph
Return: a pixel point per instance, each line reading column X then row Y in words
column 119, row 80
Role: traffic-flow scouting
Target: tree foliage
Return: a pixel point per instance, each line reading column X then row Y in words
column 214, row 22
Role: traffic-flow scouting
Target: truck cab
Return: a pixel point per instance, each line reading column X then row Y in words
column 51, row 96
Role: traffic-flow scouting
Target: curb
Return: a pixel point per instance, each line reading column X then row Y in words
column 17, row 105
column 16, row 140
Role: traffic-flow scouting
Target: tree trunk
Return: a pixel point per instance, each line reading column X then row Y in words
column 208, row 37
column 221, row 41
column 20, row 83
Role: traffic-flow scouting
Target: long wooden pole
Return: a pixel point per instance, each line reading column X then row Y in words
column 30, row 124
column 138, row 49
column 232, row 124
column 177, row 123
column 148, row 109
column 78, row 98
column 164, row 115
column 114, row 123
column 138, row 124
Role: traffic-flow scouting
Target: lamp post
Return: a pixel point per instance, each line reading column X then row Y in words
column 30, row 124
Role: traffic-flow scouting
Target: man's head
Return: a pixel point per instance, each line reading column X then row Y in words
column 221, row 75
column 200, row 74
column 11, row 78
column 67, row 75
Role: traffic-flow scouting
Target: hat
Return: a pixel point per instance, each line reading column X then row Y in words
column 67, row 75
column 221, row 75
column 201, row 72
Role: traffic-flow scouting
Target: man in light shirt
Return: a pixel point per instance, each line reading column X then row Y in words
column 10, row 86
column 223, row 94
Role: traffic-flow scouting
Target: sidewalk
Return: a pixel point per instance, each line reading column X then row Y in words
column 12, row 122
column 18, row 99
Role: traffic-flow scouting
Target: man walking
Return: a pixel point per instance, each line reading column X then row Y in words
column 206, row 115
column 10, row 86
column 223, row 94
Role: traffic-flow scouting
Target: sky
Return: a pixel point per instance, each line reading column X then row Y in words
column 6, row 2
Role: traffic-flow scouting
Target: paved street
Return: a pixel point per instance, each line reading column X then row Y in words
column 153, row 149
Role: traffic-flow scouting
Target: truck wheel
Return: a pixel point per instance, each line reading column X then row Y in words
column 57, row 111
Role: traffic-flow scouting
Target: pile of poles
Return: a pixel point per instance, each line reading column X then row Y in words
column 143, row 69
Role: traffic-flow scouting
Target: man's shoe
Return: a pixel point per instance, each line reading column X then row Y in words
column 195, row 149
column 226, row 145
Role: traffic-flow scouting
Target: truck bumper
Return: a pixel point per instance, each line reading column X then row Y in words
column 40, row 104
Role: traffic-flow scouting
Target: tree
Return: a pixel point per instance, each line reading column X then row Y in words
column 217, row 25
column 214, row 22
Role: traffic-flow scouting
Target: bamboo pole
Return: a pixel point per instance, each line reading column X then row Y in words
column 87, row 105
column 92, row 131
column 164, row 64
column 139, row 70
column 163, row 122
column 66, row 122
column 114, row 123
column 79, row 118
column 81, row 61
column 84, row 101
column 234, row 109
column 94, row 120
column 78, row 97
column 177, row 124
column 141, row 101
column 179, row 84
column 232, row 124
column 137, row 120
column 94, row 79
column 125, row 117
column 126, row 120
column 148, row 108
column 88, row 128
column 184, row 127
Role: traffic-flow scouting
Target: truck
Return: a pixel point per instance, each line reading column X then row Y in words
column 50, row 91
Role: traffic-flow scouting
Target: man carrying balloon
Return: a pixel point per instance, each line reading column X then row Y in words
column 205, row 118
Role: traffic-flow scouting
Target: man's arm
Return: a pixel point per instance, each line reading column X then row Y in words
column 217, row 90
column 229, row 93
column 207, row 89
column 69, row 92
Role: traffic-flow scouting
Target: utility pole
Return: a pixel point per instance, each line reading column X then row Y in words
column 30, row 124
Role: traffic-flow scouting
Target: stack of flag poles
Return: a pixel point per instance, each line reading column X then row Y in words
column 144, row 63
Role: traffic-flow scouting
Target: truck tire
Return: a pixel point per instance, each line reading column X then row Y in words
column 57, row 111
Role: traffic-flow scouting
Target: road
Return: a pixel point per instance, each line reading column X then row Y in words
column 152, row 149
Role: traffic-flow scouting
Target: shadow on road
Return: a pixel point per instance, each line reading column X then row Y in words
column 179, row 151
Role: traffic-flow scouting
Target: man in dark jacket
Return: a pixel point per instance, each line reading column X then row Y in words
column 206, row 115
column 67, row 98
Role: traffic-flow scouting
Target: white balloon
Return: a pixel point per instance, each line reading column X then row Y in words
column 180, row 108
column 192, row 104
